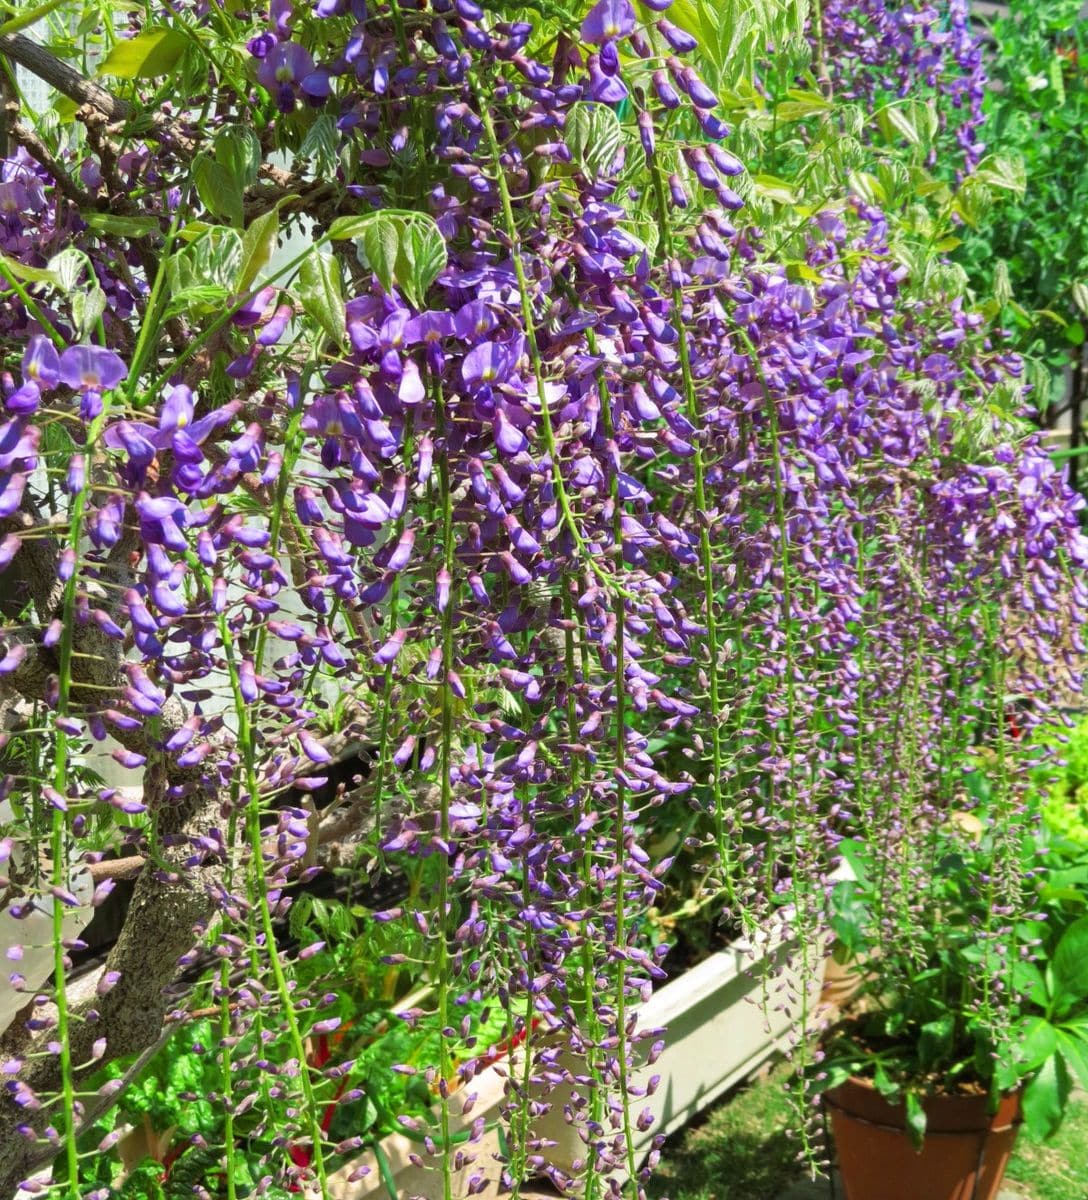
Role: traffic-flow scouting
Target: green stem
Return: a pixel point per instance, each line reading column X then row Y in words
column 152, row 312
column 445, row 789
column 706, row 554
column 260, row 885
column 592, row 1031
column 24, row 20
column 32, row 305
column 387, row 679
column 619, row 610
column 59, row 824
column 550, row 445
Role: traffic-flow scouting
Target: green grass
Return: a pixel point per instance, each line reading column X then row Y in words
column 742, row 1150
column 1058, row 1169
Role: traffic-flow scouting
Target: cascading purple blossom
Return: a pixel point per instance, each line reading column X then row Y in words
column 880, row 50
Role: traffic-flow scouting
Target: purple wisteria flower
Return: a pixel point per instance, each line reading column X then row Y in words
column 608, row 20
column 286, row 70
column 91, row 368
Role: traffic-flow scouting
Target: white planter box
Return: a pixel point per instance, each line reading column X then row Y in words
column 427, row 1180
column 717, row 1034
column 723, row 1020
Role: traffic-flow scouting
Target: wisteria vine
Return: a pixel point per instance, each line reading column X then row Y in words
column 536, row 474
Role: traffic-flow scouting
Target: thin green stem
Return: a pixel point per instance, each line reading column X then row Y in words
column 592, row 1031
column 152, row 313
column 706, row 554
column 32, row 306
column 445, row 787
column 247, row 744
column 59, row 824
column 550, row 445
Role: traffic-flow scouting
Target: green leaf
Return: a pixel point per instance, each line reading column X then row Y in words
column 1069, row 969
column 345, row 229
column 220, row 192
column 1027, row 978
column 380, row 245
column 897, row 121
column 916, row 1119
column 199, row 299
column 321, row 145
column 25, row 274
column 594, row 136
column 258, row 246
column 322, row 295
column 238, row 152
column 774, row 188
column 66, row 267
column 421, row 260
column 87, row 307
column 1003, row 171
column 1073, row 1045
column 403, row 249
column 867, row 187
column 201, row 275
column 1038, row 1044
column 121, row 226
column 149, row 54
column 1002, row 285
column 1045, row 1098
column 802, row 104
column 935, row 1040
column 1079, row 293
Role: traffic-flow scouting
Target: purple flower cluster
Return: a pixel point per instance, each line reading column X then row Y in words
column 878, row 51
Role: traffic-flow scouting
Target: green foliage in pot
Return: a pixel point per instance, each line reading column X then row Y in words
column 948, row 1010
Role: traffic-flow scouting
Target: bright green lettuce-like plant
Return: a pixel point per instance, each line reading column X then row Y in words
column 1028, row 257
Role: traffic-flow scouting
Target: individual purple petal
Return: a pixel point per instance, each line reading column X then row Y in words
column 313, row 749
column 489, row 362
column 41, row 363
column 605, row 88
column 410, row 391
column 387, row 655
column 318, row 84
column 402, row 553
column 91, row 368
column 608, row 19
column 474, row 320
column 508, row 437
column 76, row 475
column 288, row 63
column 177, row 409
column 701, row 95
column 9, row 547
column 679, row 39
column 12, row 658
column 442, row 589
column 25, row 399
column 277, row 326
column 251, row 310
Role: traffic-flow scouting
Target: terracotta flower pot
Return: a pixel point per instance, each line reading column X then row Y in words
column 842, row 981
column 964, row 1156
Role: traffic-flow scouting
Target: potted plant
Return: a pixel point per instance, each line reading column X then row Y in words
column 959, row 1036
